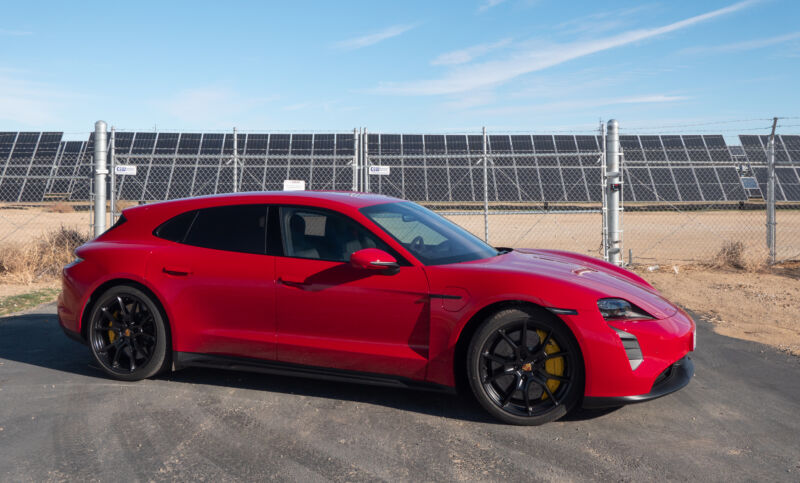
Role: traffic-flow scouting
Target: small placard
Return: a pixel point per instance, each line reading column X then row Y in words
column 125, row 170
column 294, row 185
column 379, row 170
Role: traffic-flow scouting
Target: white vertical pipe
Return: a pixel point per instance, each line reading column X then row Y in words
column 356, row 154
column 100, row 172
column 612, row 188
column 771, row 193
column 112, row 197
column 235, row 161
column 485, row 190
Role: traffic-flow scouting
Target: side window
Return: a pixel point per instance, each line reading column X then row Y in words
column 324, row 235
column 238, row 228
column 176, row 227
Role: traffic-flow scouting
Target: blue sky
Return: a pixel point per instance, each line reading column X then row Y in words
column 511, row 65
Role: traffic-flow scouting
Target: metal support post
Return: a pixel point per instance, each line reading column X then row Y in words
column 613, row 187
column 365, row 168
column 112, row 197
column 100, row 172
column 235, row 161
column 771, row 193
column 356, row 154
column 485, row 190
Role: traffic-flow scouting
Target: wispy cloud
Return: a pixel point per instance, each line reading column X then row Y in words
column 535, row 58
column 489, row 4
column 463, row 56
column 209, row 104
column 15, row 33
column 373, row 38
column 586, row 104
column 744, row 45
column 33, row 103
column 602, row 21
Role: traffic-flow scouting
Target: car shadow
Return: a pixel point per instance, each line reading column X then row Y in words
column 37, row 340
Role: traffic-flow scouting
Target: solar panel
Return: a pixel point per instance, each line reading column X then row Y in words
column 631, row 148
column 790, row 183
column 674, row 148
column 653, row 149
column 749, row 183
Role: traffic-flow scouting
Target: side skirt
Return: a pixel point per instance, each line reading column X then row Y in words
column 191, row 359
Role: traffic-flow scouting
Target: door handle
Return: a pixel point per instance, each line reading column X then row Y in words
column 292, row 283
column 177, row 271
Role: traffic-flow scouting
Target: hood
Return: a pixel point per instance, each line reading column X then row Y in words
column 604, row 279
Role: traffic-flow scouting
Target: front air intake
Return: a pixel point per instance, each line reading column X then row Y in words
column 632, row 349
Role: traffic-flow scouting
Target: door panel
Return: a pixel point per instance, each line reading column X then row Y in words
column 331, row 314
column 220, row 302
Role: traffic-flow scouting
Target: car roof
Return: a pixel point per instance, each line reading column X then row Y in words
column 331, row 199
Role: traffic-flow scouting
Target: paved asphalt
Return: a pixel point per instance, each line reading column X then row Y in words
column 739, row 419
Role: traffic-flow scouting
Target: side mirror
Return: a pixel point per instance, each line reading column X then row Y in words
column 373, row 259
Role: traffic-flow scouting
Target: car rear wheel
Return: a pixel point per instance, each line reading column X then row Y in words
column 524, row 367
column 127, row 334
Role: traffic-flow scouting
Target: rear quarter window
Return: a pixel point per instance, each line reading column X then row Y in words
column 175, row 228
column 238, row 228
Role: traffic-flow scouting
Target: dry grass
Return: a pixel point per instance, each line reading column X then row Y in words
column 123, row 205
column 42, row 258
column 60, row 207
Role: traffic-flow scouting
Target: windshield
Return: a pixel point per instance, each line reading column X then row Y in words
column 433, row 239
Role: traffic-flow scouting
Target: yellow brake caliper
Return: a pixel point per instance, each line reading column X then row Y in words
column 554, row 366
column 111, row 334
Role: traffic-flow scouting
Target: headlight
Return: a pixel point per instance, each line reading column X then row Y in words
column 619, row 309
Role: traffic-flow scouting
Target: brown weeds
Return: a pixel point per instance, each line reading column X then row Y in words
column 60, row 207
column 42, row 258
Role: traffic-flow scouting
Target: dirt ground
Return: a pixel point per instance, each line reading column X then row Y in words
column 653, row 237
column 761, row 306
column 11, row 289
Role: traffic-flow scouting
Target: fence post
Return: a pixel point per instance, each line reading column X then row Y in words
column 612, row 188
column 356, row 154
column 112, row 197
column 235, row 161
column 485, row 190
column 365, row 168
column 771, row 193
column 100, row 172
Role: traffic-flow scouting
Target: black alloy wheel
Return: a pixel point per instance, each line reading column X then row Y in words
column 127, row 334
column 525, row 367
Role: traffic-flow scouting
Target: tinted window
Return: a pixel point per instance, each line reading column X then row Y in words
column 176, row 227
column 240, row 228
column 434, row 240
column 324, row 235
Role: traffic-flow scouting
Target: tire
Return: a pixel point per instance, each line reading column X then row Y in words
column 127, row 334
column 525, row 384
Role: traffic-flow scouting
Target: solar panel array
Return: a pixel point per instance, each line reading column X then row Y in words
column 37, row 166
column 787, row 158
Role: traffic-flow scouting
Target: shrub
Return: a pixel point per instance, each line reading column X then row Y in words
column 42, row 258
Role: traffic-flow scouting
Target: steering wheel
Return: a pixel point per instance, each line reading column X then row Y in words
column 416, row 244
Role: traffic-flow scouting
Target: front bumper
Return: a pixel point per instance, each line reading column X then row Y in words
column 675, row 377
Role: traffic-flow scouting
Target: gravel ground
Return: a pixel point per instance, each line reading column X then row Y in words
column 62, row 419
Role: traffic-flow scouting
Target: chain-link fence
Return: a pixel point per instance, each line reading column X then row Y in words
column 685, row 198
column 44, row 185
column 692, row 198
column 513, row 190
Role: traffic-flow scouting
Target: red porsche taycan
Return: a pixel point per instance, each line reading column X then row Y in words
column 371, row 289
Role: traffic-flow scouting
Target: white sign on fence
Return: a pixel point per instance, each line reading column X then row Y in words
column 294, row 185
column 379, row 170
column 125, row 170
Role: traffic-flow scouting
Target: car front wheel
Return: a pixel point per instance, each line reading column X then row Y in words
column 524, row 367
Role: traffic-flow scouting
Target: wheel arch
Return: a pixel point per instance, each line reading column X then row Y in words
column 100, row 289
column 472, row 325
